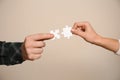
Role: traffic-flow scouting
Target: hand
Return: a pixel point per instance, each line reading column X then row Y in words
column 84, row 30
column 33, row 45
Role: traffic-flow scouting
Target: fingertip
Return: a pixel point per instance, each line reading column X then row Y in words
column 51, row 35
column 73, row 30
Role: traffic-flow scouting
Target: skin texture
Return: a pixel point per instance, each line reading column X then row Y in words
column 33, row 45
column 85, row 30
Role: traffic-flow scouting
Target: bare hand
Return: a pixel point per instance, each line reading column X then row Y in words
column 33, row 45
column 85, row 30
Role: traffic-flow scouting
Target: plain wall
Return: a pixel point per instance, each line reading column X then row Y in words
column 63, row 59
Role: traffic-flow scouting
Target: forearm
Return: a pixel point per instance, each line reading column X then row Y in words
column 108, row 43
column 10, row 53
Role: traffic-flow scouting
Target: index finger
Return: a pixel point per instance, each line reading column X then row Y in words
column 42, row 36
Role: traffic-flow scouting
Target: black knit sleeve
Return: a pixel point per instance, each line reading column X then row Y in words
column 10, row 53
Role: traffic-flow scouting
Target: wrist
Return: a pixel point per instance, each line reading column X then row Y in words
column 98, row 40
column 23, row 52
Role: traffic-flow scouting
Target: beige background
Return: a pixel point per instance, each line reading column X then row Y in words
column 63, row 59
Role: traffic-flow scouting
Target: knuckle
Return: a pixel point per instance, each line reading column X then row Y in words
column 31, row 57
column 27, row 38
column 44, row 44
column 28, row 42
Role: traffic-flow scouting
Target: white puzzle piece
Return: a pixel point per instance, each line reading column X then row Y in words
column 66, row 32
column 55, row 33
